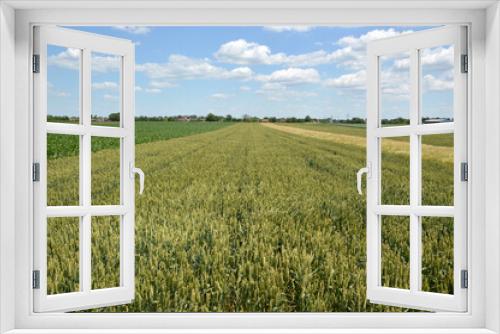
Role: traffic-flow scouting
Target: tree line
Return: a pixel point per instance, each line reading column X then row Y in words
column 210, row 117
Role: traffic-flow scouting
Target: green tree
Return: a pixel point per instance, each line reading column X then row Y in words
column 114, row 117
column 211, row 118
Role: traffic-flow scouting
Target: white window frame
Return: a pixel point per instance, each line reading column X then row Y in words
column 483, row 18
column 86, row 297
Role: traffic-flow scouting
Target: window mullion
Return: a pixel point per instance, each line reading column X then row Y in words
column 85, row 174
column 415, row 171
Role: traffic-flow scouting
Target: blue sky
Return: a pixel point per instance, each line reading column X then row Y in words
column 260, row 71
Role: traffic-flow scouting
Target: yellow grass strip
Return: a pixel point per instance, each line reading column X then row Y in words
column 441, row 153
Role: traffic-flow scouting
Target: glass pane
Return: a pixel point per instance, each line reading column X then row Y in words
column 63, row 84
column 437, row 257
column 105, row 252
column 395, row 89
column 105, row 171
column 106, row 89
column 437, row 169
column 395, row 171
column 63, row 170
column 395, row 251
column 436, row 66
column 63, row 258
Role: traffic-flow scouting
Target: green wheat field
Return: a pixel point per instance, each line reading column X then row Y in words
column 250, row 217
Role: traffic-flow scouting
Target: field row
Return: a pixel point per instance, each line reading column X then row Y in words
column 445, row 140
column 59, row 146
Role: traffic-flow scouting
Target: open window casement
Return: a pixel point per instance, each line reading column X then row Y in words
column 387, row 60
column 84, row 218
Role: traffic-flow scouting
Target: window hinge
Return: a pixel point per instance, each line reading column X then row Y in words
column 464, row 279
column 36, row 279
column 36, row 172
column 464, row 171
column 465, row 64
column 36, row 63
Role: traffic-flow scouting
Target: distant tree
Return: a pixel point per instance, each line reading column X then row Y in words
column 272, row 119
column 229, row 118
column 212, row 118
column 308, row 118
column 357, row 120
column 55, row 118
column 114, row 117
column 396, row 121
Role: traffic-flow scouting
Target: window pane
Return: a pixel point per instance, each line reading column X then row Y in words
column 105, row 171
column 63, row 170
column 106, row 89
column 63, row 255
column 395, row 89
column 436, row 66
column 437, row 169
column 105, row 252
column 437, row 258
column 63, row 84
column 395, row 171
column 395, row 251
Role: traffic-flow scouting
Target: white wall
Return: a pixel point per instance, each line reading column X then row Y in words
column 6, row 167
column 492, row 211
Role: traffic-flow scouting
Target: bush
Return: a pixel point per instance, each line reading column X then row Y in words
column 114, row 117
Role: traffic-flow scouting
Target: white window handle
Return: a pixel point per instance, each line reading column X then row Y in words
column 133, row 171
column 364, row 170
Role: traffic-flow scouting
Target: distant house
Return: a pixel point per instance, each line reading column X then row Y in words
column 183, row 118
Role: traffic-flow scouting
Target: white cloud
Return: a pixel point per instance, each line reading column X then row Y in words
column 238, row 73
column 355, row 81
column 361, row 41
column 431, row 83
column 394, row 76
column 155, row 87
column 279, row 92
column 250, row 53
column 396, row 90
column 245, row 88
column 440, row 57
column 110, row 97
column 394, row 84
column 353, row 49
column 182, row 67
column 59, row 93
column 106, row 63
column 153, row 90
column 296, row 28
column 246, row 53
column 161, row 84
column 135, row 30
column 52, row 91
column 105, row 85
column 70, row 59
column 291, row 76
column 219, row 96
